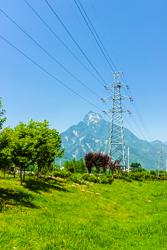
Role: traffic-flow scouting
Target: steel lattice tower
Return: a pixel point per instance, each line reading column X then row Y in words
column 116, row 138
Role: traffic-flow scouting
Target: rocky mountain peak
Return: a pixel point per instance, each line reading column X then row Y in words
column 92, row 117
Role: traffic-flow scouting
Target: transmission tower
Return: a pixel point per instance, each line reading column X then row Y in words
column 116, row 139
column 160, row 158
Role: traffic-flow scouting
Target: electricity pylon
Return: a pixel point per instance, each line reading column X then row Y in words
column 116, row 139
column 160, row 158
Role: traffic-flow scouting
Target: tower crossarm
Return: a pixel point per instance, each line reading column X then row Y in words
column 117, row 85
column 116, row 111
column 114, row 98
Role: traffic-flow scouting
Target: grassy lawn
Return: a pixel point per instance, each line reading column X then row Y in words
column 53, row 214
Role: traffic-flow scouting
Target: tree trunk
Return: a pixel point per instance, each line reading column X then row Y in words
column 21, row 174
column 39, row 171
column 14, row 172
column 24, row 174
column 4, row 172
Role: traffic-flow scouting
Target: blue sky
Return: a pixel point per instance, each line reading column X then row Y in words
column 134, row 35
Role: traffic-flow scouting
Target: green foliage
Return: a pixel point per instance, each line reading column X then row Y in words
column 30, row 144
column 5, row 149
column 76, row 179
column 86, row 176
column 104, row 180
column 75, row 166
column 61, row 173
column 92, row 178
column 2, row 112
column 135, row 165
column 138, row 170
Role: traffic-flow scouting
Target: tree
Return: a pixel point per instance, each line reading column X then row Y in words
column 114, row 166
column 22, row 145
column 135, row 165
column 5, row 149
column 47, row 144
column 118, row 167
column 97, row 160
column 89, row 161
column 2, row 112
column 82, row 166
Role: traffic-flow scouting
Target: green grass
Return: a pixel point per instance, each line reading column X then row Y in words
column 51, row 214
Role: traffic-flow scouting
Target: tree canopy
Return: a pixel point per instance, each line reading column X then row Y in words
column 2, row 112
column 32, row 143
column 97, row 160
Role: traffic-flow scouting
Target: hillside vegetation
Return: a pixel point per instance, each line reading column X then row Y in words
column 53, row 213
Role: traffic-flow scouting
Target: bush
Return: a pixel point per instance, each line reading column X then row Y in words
column 85, row 176
column 30, row 173
column 61, row 173
column 104, row 180
column 110, row 179
column 92, row 178
column 76, row 179
column 127, row 179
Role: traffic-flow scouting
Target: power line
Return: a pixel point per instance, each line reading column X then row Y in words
column 95, row 34
column 49, row 73
column 48, row 53
column 104, row 34
column 74, row 41
column 135, row 106
column 92, row 34
column 62, row 42
column 86, row 31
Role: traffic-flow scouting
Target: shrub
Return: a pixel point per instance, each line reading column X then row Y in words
column 76, row 179
column 104, row 180
column 85, row 176
column 127, row 179
column 92, row 178
column 30, row 173
column 61, row 173
column 110, row 179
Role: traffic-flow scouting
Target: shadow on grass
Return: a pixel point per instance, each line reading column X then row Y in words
column 15, row 198
column 45, row 186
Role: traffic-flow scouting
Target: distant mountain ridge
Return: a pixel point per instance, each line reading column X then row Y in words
column 92, row 134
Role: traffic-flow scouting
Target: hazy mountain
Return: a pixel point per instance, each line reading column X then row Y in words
column 92, row 134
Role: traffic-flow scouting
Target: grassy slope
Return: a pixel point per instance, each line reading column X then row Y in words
column 55, row 215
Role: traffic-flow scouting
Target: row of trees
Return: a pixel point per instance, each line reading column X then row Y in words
column 29, row 144
column 75, row 166
column 99, row 160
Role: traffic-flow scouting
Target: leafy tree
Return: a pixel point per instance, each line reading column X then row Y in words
column 2, row 112
column 5, row 149
column 89, row 161
column 101, row 161
column 113, row 166
column 47, row 144
column 22, row 145
column 118, row 167
column 135, row 165
column 82, row 166
column 96, row 160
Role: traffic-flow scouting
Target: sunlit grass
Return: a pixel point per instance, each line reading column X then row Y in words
column 53, row 214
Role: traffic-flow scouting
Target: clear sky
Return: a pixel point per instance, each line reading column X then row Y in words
column 133, row 32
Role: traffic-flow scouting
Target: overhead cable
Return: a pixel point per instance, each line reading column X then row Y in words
column 74, row 41
column 49, row 54
column 62, row 42
column 49, row 73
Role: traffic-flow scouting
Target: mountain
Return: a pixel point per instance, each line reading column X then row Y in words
column 92, row 134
